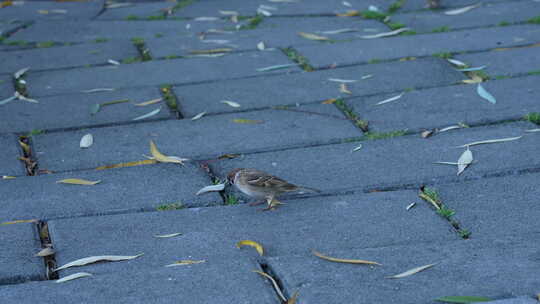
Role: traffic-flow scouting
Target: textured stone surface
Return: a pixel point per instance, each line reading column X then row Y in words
column 6, row 87
column 20, row 242
column 359, row 51
column 207, row 137
column 141, row 10
column 445, row 4
column 441, row 107
column 125, row 190
column 46, row 10
column 506, row 62
column 9, row 160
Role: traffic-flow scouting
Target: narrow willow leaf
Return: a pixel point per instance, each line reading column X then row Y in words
column 313, row 36
column 198, row 116
column 20, row 73
column 185, row 262
column 98, row 90
column 389, row 99
column 343, row 89
column 463, row 299
column 216, row 41
column 464, row 161
column 350, row 261
column 9, row 99
column 74, row 276
column 474, row 79
column 253, row 244
column 342, row 80
column 45, row 252
column 276, row 286
column 410, row 206
column 261, row 46
column 449, row 163
column 340, row 31
column 247, row 121
column 129, row 164
column 150, row 102
column 170, row 235
column 350, row 13
column 164, row 158
column 22, row 97
column 461, row 10
column 206, row 19
column 212, row 51
column 411, row 271
column 77, row 181
column 532, row 130
column 366, row 77
column 485, row 94
column 276, row 67
column 293, row 299
column 329, row 101
column 113, row 62
column 346, row 3
column 86, row 141
column 95, row 108
column 212, row 188
column 118, row 5
column 449, row 128
column 426, row 133
column 156, row 111
column 228, row 13
column 8, row 177
column 456, row 62
column 264, row 12
column 490, row 141
column 357, row 148
column 99, row 258
column 25, row 147
column 18, row 222
column 472, row 69
column 207, row 55
column 231, row 103
column 387, row 34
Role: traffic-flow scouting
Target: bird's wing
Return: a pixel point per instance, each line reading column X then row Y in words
column 265, row 180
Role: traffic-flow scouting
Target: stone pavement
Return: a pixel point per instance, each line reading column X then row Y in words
column 315, row 92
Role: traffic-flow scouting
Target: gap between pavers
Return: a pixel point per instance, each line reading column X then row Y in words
column 9, row 162
column 395, row 162
column 445, row 106
column 139, row 10
column 44, row 10
column 410, row 5
column 361, row 51
column 49, row 113
column 123, row 190
column 205, row 138
column 20, row 242
column 299, row 88
column 496, row 268
column 156, row 73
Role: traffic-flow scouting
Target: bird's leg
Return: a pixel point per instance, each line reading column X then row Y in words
column 272, row 203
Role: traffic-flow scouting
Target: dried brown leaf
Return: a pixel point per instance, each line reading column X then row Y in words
column 350, row 261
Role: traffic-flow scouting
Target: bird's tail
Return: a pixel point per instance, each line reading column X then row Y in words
column 302, row 189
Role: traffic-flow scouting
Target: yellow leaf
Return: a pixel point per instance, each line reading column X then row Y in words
column 324, row 257
column 343, row 89
column 77, row 181
column 185, row 262
column 18, row 222
column 312, row 36
column 8, row 177
column 146, row 103
column 349, row 14
column 130, row 164
column 247, row 121
column 5, row 4
column 292, row 300
column 329, row 101
column 253, row 244
column 25, row 147
column 212, row 51
column 276, row 286
column 474, row 79
column 163, row 158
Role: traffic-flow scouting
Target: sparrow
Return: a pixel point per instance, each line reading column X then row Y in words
column 261, row 185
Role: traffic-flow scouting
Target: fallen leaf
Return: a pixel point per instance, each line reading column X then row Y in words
column 229, row 13
column 410, row 206
column 485, row 94
column 343, row 89
column 86, row 141
column 9, row 99
column 206, row 19
column 212, row 188
column 312, row 36
column 25, row 147
column 390, row 99
column 340, row 31
column 324, row 257
column 411, row 271
column 456, row 62
column 293, row 299
column 8, row 177
column 149, row 102
column 474, row 79
column 231, row 103
column 20, row 73
column 18, row 222
column 346, row 3
column 426, row 133
column 532, row 130
column 113, row 62
column 208, row 55
column 22, row 97
column 74, row 276
column 45, row 252
column 98, row 90
column 164, row 158
column 248, row 121
column 95, row 108
column 9, row 3
column 464, row 161
column 253, row 244
column 99, row 258
column 276, row 67
column 129, row 164
column 147, row 115
column 490, row 141
column 77, row 181
column 185, row 262
column 329, row 101
column 387, row 34
column 366, row 77
column 463, row 299
column 213, row 51
column 170, row 235
column 276, row 286
column 261, row 46
column 449, row 128
column 118, row 5
column 472, row 69
column 357, row 148
column 198, row 116
column 342, row 80
column 461, row 10
column 229, row 156
column 350, row 13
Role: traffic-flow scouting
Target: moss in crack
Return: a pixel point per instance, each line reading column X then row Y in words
column 252, row 22
column 231, row 199
column 373, row 15
column 171, row 206
column 443, row 55
column 536, row 72
column 181, row 4
column 441, row 29
column 349, row 113
column 298, row 58
column 395, row 25
column 384, row 135
column 408, row 33
column 533, row 117
column 504, row 23
column 154, row 18
column 132, row 18
column 170, row 98
column 141, row 47
column 101, row 40
column 35, row 132
column 535, row 20
column 17, row 43
column 397, row 5
column 45, row 44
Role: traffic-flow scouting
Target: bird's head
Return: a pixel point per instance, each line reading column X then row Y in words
column 231, row 175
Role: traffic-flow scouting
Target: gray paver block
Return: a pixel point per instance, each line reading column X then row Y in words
column 6, row 88
column 517, row 300
column 463, row 268
column 446, row 4
column 495, row 206
column 486, row 15
column 312, row 87
column 359, row 51
column 506, row 62
column 156, row 73
column 141, row 10
column 66, row 56
column 49, row 113
column 9, row 162
column 209, row 136
column 216, row 281
column 46, row 10
column 8, row 25
column 441, row 107
column 20, row 242
column 134, row 189
column 397, row 161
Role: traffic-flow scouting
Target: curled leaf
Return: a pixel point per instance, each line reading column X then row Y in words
column 212, row 188
column 147, row 115
column 86, row 141
column 350, row 261
column 160, row 157
column 312, row 36
column 74, row 276
column 411, row 271
column 490, row 141
column 170, row 235
column 185, row 262
column 387, row 34
column 485, row 94
column 77, row 181
column 253, row 244
column 99, row 258
column 231, row 103
column 20, row 73
column 45, row 252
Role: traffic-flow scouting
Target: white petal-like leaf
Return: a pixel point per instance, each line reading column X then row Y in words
column 340, row 31
column 170, row 235
column 464, row 161
column 113, row 62
column 231, row 103
column 532, row 130
column 261, row 46
column 449, row 128
column 357, row 148
column 387, row 34
column 389, row 99
column 198, row 116
column 461, row 10
column 98, row 258
column 45, row 252
column 276, row 67
column 411, row 272
column 20, row 73
column 456, row 62
column 86, row 141
column 490, row 141
column 410, row 206
column 98, row 90
column 206, row 19
column 485, row 94
column 472, row 69
column 342, row 80
column 3, row 102
column 206, row 189
column 74, row 276
column 156, row 111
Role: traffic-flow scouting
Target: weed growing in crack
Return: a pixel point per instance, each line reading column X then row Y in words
column 171, row 206
column 383, row 135
column 349, row 113
column 533, row 117
column 231, row 199
column 298, row 58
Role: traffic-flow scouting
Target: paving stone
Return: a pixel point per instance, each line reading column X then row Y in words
column 205, row 138
column 156, row 73
column 463, row 268
column 9, row 162
column 125, row 190
column 506, row 63
column 42, row 10
column 49, row 113
column 486, row 15
column 9, row 25
column 407, row 160
column 66, row 56
column 441, row 107
column 20, row 242
column 224, row 281
column 314, row 87
column 359, row 51
column 518, row 300
column 6, row 88
column 494, row 206
column 141, row 10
